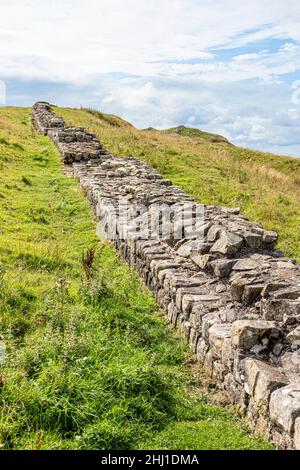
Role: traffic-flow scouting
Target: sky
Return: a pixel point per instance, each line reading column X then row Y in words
column 224, row 66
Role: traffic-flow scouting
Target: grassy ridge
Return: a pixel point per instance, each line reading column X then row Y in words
column 265, row 186
column 90, row 363
column 201, row 136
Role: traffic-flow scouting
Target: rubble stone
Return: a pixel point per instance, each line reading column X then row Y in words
column 285, row 407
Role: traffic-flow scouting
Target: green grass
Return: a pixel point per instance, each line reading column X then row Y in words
column 265, row 186
column 90, row 363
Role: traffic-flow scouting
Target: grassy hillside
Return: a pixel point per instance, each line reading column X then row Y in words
column 265, row 186
column 90, row 363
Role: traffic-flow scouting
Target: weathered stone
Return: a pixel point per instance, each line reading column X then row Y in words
column 203, row 261
column 246, row 333
column 194, row 338
column 208, row 321
column 292, row 293
column 277, row 309
column 245, row 264
column 271, row 287
column 253, row 240
column 213, row 233
column 217, row 334
column 285, row 407
column 222, row 268
column 294, row 336
column 192, row 292
column 208, row 362
column 227, row 244
column 189, row 299
column 188, row 248
column 261, row 380
column 228, row 353
column 202, row 349
column 297, row 434
column 270, row 237
column 238, row 286
column 291, row 363
column 252, row 292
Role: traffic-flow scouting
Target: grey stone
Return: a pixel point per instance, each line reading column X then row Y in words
column 252, row 292
column 213, row 233
column 222, row 268
column 270, row 237
column 227, row 244
column 285, row 407
column 253, row 240
column 217, row 334
column 277, row 309
column 291, row 363
column 246, row 264
column 247, row 333
column 297, row 434
column 262, row 379
column 294, row 336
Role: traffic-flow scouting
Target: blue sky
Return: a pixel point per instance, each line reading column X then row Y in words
column 221, row 65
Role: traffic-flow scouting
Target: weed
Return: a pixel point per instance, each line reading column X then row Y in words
column 87, row 261
column 26, row 181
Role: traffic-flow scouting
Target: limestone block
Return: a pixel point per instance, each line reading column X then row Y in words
column 246, row 264
column 297, row 434
column 222, row 268
column 247, row 333
column 216, row 336
column 294, row 336
column 202, row 349
column 208, row 321
column 253, row 240
column 189, row 299
column 228, row 244
column 270, row 237
column 261, row 379
column 277, row 309
column 203, row 261
column 194, row 338
column 213, row 233
column 252, row 292
column 285, row 407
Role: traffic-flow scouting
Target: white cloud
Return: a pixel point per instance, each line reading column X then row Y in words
column 76, row 41
column 162, row 62
column 133, row 98
column 251, row 56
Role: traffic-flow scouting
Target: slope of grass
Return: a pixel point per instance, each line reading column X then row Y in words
column 90, row 363
column 265, row 186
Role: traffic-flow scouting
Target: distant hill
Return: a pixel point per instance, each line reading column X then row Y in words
column 194, row 133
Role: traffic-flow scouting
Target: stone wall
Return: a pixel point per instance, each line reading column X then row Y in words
column 234, row 296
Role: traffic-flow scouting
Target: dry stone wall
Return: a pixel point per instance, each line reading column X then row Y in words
column 234, row 296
